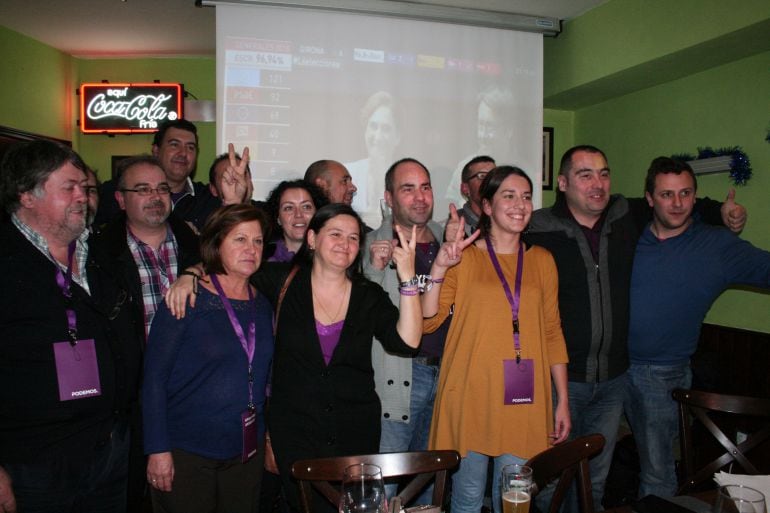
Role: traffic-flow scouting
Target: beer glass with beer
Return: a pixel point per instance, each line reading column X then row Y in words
column 516, row 486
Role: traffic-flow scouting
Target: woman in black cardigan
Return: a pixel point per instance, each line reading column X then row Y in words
column 323, row 400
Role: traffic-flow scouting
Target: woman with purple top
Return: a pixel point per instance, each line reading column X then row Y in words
column 205, row 377
column 291, row 205
column 323, row 398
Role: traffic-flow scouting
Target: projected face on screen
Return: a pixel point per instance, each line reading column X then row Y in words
column 381, row 134
column 494, row 133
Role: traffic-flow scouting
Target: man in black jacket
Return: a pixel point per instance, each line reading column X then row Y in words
column 69, row 354
column 145, row 247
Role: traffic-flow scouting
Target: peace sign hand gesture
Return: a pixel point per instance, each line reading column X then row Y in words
column 236, row 182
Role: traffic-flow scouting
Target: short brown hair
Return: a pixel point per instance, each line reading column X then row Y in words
column 219, row 225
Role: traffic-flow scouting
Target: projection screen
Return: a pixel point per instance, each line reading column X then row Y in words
column 298, row 85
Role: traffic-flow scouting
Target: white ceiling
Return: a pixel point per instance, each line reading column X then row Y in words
column 101, row 28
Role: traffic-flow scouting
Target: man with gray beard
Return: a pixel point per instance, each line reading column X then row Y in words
column 145, row 247
column 69, row 356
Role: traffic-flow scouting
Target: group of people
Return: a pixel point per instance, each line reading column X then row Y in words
column 187, row 337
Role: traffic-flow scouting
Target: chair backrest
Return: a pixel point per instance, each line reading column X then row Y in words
column 566, row 461
column 696, row 405
column 423, row 465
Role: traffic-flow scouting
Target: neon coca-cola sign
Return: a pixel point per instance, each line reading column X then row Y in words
column 128, row 108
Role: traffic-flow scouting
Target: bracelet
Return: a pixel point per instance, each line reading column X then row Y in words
column 409, row 283
column 429, row 281
column 190, row 273
column 404, row 291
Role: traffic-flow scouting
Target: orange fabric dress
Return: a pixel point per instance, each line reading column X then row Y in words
column 469, row 413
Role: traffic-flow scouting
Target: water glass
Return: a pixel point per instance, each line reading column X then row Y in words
column 363, row 490
column 516, row 488
column 739, row 499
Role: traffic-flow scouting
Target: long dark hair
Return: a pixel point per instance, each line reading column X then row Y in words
column 489, row 187
column 304, row 256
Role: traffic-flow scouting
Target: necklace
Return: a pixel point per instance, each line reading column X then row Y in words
column 336, row 316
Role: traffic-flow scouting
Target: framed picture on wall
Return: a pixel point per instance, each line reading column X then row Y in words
column 115, row 161
column 548, row 158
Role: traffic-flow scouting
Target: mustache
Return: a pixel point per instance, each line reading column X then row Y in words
column 155, row 204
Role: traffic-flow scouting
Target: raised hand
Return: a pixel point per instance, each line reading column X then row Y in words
column 450, row 231
column 404, row 254
column 450, row 253
column 236, row 181
column 734, row 215
column 380, row 253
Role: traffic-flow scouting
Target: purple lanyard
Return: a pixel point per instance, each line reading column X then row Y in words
column 249, row 344
column 513, row 299
column 165, row 258
column 64, row 281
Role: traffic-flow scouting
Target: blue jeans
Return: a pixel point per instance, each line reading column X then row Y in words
column 470, row 482
column 654, row 420
column 94, row 482
column 402, row 437
column 594, row 408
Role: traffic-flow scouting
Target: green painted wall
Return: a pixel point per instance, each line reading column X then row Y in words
column 724, row 106
column 627, row 45
column 36, row 82
column 199, row 78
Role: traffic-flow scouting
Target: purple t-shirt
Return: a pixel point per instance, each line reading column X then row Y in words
column 329, row 337
column 432, row 344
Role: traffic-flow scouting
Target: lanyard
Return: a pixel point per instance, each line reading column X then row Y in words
column 248, row 344
column 163, row 266
column 513, row 299
column 64, row 281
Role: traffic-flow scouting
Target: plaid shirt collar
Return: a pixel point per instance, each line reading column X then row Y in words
column 157, row 270
column 81, row 251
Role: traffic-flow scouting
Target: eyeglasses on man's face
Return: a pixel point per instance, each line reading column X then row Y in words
column 478, row 176
column 146, row 190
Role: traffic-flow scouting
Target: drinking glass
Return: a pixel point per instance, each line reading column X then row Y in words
column 516, row 486
column 739, row 499
column 363, row 490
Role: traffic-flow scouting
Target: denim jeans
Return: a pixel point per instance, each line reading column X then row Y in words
column 470, row 481
column 654, row 420
column 94, row 482
column 593, row 408
column 402, row 437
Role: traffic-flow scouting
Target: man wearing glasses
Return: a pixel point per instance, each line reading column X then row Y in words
column 146, row 245
column 473, row 174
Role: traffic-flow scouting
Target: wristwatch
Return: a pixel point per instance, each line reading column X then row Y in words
column 409, row 283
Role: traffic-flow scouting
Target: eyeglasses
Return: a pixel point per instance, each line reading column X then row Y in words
column 146, row 190
column 478, row 176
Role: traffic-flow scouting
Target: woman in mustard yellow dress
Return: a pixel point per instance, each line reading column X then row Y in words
column 505, row 346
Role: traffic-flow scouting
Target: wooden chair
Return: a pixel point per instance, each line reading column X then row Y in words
column 700, row 406
column 423, row 465
column 567, row 461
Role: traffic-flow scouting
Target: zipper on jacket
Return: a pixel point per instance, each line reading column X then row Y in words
column 601, row 312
